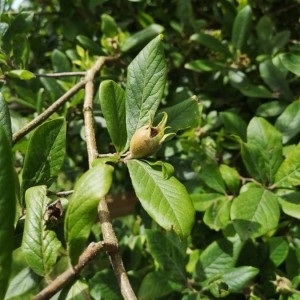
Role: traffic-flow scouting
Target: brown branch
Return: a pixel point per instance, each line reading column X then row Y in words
column 109, row 236
column 56, row 285
column 48, row 112
column 62, row 74
column 115, row 258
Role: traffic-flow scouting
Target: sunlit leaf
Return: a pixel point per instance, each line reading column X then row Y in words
column 165, row 200
column 255, row 212
column 40, row 245
column 82, row 210
column 146, row 81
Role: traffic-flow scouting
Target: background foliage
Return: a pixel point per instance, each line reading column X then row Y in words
column 236, row 150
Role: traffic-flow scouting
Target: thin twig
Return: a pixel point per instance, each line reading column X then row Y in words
column 62, row 74
column 109, row 236
column 48, row 112
column 56, row 285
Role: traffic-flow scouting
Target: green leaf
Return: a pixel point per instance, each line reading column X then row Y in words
column 155, row 285
column 288, row 123
column 165, row 200
column 262, row 154
column 264, row 30
column 288, row 174
column 60, row 62
column 240, row 81
column 112, row 100
column 3, row 28
column 290, row 204
column 21, row 283
column 254, row 213
column 40, row 245
column 183, row 115
column 7, row 210
column 231, row 178
column 91, row 187
column 203, row 201
column 5, row 118
column 45, row 154
column 270, row 109
column 211, row 176
column 168, row 251
column 103, row 286
column 202, row 65
column 211, row 42
column 142, row 37
column 237, row 278
column 291, row 62
column 109, row 26
column 21, row 74
column 146, row 81
column 89, row 45
column 272, row 76
column 278, row 249
column 218, row 257
column 234, row 124
column 241, row 27
column 217, row 216
column 78, row 291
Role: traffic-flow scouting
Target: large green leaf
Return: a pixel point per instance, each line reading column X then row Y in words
column 218, row 257
column 77, row 291
column 262, row 154
column 272, row 76
column 288, row 123
column 237, row 278
column 45, row 154
column 146, row 81
column 5, row 118
column 241, row 27
column 40, row 245
column 112, row 100
column 165, row 200
column 7, row 209
column 291, row 62
column 288, row 174
column 255, row 212
column 168, row 251
column 91, row 187
column 182, row 115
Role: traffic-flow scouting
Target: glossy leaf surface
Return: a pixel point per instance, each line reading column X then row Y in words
column 40, row 245
column 45, row 154
column 146, row 81
column 165, row 200
column 262, row 154
column 255, row 212
column 82, row 209
column 112, row 100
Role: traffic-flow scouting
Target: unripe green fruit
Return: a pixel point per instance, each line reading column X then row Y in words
column 148, row 139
